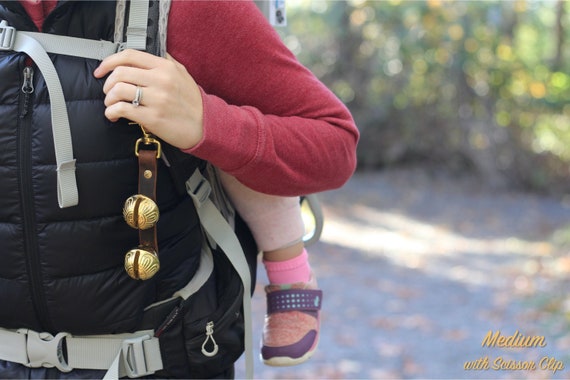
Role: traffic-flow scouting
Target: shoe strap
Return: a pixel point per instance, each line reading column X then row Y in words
column 294, row 300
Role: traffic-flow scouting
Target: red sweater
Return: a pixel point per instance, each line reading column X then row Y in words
column 267, row 119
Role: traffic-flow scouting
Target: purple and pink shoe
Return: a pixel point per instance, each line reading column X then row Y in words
column 291, row 330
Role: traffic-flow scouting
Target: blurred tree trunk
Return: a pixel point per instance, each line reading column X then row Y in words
column 510, row 19
column 356, row 70
column 485, row 144
column 348, row 65
column 560, row 12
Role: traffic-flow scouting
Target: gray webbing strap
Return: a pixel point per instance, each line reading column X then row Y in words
column 220, row 231
column 138, row 20
column 13, row 347
column 316, row 211
column 198, row 280
column 134, row 355
column 74, row 46
column 200, row 277
column 66, row 183
column 36, row 46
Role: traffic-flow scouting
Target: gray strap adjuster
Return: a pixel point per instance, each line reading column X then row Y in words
column 198, row 188
column 7, row 36
column 134, row 359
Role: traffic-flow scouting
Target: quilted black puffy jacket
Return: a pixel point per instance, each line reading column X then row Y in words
column 62, row 269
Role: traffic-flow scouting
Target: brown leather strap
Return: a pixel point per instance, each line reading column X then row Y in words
column 147, row 187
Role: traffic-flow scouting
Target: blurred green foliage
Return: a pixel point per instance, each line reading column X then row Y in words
column 480, row 86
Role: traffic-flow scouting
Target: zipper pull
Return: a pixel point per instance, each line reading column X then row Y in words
column 27, row 89
column 28, row 85
column 210, row 336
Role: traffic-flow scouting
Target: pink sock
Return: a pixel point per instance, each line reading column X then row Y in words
column 289, row 271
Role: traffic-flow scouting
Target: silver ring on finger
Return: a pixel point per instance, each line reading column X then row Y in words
column 138, row 97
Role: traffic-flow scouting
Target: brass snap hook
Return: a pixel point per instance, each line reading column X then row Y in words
column 147, row 139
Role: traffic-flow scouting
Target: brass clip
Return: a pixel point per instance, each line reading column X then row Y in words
column 147, row 139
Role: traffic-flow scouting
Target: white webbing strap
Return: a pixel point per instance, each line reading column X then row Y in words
column 66, row 182
column 220, row 231
column 133, row 355
column 138, row 20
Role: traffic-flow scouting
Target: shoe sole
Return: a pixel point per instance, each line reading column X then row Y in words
column 285, row 361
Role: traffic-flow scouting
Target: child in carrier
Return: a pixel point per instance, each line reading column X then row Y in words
column 291, row 330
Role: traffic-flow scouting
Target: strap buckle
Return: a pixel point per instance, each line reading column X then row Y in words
column 134, row 359
column 45, row 350
column 7, row 36
column 198, row 188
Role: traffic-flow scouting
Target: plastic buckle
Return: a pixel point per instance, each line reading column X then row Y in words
column 7, row 36
column 198, row 188
column 45, row 350
column 134, row 358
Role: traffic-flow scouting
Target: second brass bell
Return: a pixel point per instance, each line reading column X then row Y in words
column 140, row 212
column 141, row 263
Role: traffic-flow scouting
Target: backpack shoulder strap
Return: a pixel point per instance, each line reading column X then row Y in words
column 146, row 25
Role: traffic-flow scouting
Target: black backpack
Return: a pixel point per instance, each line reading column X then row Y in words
column 205, row 327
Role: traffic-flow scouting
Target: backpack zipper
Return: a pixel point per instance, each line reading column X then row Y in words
column 27, row 89
column 26, row 197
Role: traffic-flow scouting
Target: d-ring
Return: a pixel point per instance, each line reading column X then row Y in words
column 138, row 97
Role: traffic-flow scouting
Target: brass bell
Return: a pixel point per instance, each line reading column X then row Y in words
column 141, row 263
column 140, row 212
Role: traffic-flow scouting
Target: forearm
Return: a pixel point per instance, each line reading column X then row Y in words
column 277, row 155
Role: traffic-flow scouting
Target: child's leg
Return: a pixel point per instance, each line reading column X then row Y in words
column 277, row 226
column 287, row 265
column 291, row 332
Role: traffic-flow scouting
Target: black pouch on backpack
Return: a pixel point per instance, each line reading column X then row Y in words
column 203, row 335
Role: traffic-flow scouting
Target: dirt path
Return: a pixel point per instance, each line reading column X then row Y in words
column 418, row 269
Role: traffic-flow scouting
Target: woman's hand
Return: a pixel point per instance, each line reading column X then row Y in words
column 170, row 105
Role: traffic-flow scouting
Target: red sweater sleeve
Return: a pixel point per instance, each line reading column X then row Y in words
column 267, row 119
